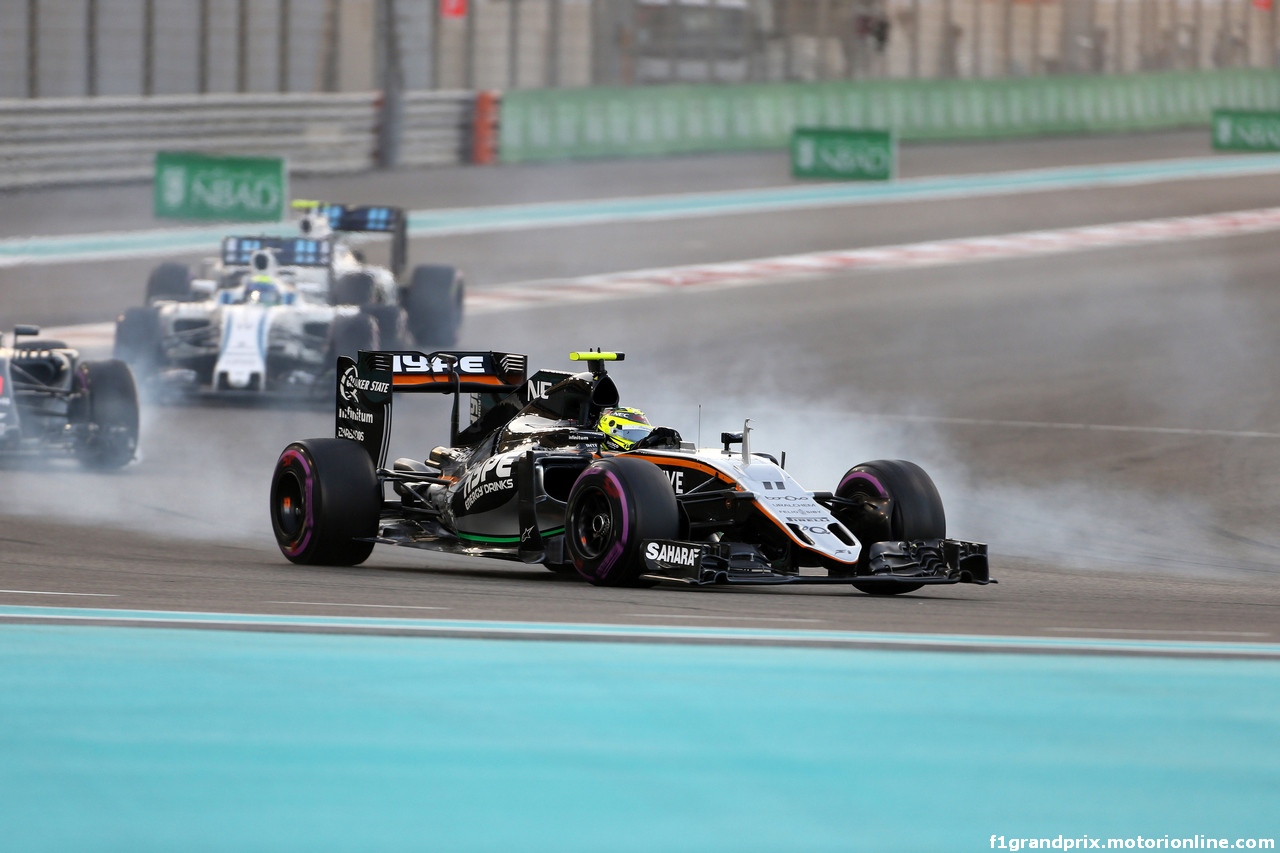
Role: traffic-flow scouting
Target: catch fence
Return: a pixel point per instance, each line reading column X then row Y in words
column 67, row 48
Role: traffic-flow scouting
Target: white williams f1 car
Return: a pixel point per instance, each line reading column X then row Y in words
column 271, row 314
column 552, row 470
column 54, row 404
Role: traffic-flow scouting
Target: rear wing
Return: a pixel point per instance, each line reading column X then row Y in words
column 366, row 387
column 464, row 372
column 288, row 251
column 367, row 219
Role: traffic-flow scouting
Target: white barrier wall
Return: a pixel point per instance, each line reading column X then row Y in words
column 50, row 141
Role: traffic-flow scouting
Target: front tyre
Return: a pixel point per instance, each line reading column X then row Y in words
column 325, row 498
column 901, row 504
column 614, row 505
column 108, row 407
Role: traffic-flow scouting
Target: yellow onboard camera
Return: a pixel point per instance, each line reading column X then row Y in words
column 597, row 358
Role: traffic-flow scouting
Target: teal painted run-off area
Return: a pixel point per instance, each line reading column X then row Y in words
column 140, row 739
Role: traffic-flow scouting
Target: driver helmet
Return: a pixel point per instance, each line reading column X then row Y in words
column 623, row 427
column 263, row 291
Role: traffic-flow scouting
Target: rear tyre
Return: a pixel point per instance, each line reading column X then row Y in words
column 914, row 511
column 354, row 288
column 324, row 498
column 393, row 327
column 433, row 301
column 614, row 505
column 352, row 334
column 138, row 340
column 169, row 281
column 109, row 407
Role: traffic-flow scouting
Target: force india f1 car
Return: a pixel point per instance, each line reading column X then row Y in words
column 271, row 314
column 52, row 403
column 532, row 478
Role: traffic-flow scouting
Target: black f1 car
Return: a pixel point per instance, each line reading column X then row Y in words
column 52, row 403
column 532, row 478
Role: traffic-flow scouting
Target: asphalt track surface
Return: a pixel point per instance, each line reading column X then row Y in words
column 1108, row 420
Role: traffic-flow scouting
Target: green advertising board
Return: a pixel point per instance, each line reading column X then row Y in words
column 201, row 186
column 560, row 124
column 851, row 155
column 1246, row 130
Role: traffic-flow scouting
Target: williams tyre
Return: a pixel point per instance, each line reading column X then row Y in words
column 353, row 333
column 325, row 499
column 433, row 302
column 169, row 281
column 138, row 340
column 614, row 506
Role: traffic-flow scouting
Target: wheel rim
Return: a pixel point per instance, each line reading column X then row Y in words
column 593, row 523
column 289, row 505
column 869, row 488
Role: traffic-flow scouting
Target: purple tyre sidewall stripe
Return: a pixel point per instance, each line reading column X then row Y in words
column 619, row 546
column 862, row 475
column 308, row 504
column 612, row 487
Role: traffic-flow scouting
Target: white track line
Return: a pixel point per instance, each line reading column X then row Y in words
column 348, row 604
column 1160, row 631
column 642, row 633
column 43, row 592
column 695, row 616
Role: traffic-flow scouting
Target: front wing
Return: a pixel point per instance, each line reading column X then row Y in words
column 925, row 561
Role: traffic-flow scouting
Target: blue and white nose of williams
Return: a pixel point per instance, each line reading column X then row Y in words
column 242, row 361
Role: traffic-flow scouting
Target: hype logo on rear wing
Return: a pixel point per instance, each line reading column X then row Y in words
column 467, row 372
